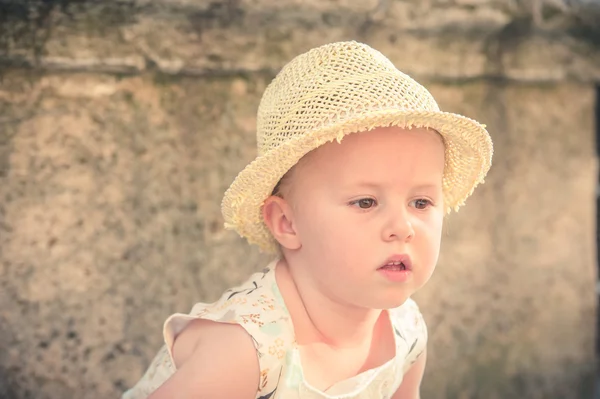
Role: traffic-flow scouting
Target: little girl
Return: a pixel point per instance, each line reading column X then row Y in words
column 356, row 168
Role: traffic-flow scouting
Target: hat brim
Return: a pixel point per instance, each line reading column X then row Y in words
column 468, row 151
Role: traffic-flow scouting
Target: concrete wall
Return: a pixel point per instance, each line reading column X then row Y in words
column 117, row 142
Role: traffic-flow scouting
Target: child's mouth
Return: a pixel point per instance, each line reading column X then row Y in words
column 394, row 266
column 397, row 262
column 397, row 268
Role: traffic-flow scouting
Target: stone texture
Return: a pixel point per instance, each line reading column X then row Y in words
column 111, row 221
column 118, row 139
column 510, row 305
column 540, row 40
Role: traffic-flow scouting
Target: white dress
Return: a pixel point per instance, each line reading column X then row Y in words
column 258, row 307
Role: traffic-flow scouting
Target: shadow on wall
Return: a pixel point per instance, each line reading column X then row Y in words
column 28, row 24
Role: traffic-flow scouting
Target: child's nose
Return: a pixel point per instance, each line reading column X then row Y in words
column 399, row 227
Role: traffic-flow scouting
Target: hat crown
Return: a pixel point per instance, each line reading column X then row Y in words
column 331, row 84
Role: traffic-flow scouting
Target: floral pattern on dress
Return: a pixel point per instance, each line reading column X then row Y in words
column 257, row 306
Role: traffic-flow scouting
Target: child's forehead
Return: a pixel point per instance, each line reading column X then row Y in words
column 375, row 142
column 357, row 152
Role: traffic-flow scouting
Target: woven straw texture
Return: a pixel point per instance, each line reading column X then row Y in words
column 335, row 90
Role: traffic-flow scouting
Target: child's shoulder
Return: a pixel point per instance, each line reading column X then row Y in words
column 251, row 304
column 410, row 330
column 256, row 300
column 254, row 309
column 407, row 317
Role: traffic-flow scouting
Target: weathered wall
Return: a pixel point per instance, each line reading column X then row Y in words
column 110, row 200
column 524, row 40
column 511, row 306
column 117, row 142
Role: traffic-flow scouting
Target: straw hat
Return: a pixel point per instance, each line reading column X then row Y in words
column 335, row 90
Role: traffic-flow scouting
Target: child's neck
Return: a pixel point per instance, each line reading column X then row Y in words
column 319, row 318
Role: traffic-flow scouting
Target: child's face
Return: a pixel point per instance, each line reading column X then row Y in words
column 358, row 204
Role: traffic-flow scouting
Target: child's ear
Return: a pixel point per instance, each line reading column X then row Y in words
column 277, row 214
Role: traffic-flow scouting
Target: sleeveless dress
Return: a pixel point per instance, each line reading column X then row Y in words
column 257, row 305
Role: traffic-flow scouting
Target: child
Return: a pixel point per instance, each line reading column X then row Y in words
column 356, row 168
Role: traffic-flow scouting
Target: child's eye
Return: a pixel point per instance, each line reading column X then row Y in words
column 421, row 203
column 364, row 203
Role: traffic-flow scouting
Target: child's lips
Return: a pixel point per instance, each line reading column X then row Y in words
column 395, row 274
column 398, row 268
column 397, row 262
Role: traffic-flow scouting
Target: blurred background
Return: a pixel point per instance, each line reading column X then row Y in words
column 123, row 122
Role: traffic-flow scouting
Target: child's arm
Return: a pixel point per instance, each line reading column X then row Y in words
column 411, row 383
column 214, row 360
